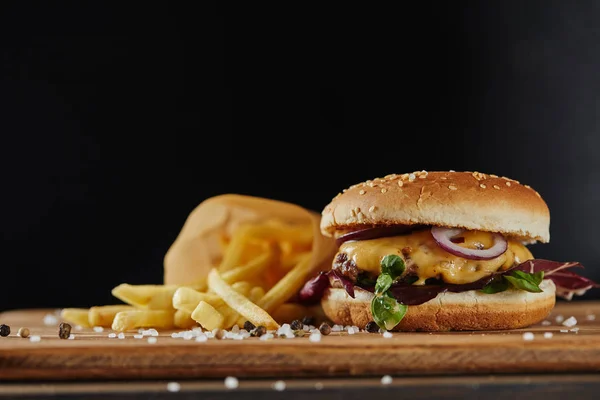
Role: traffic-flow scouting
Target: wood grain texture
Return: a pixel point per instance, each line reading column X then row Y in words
column 92, row 355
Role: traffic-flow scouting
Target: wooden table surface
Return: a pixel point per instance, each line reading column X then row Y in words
column 464, row 364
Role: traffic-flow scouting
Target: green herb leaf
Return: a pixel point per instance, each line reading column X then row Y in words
column 495, row 286
column 384, row 281
column 392, row 265
column 527, row 283
column 387, row 312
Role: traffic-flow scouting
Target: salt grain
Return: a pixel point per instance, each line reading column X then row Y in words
column 112, row 335
column 138, row 336
column 546, row 323
column 559, row 318
column 152, row 340
column 315, row 337
column 564, row 330
column 528, row 336
column 279, row 386
column 386, row 380
column 548, row 335
column 121, row 335
column 34, row 338
column 78, row 327
column 187, row 335
column 173, row 386
column 201, row 338
column 231, row 382
column 571, row 321
column 71, row 336
column 590, row 317
column 387, row 334
column 267, row 336
column 98, row 329
column 575, row 329
column 50, row 319
column 336, row 328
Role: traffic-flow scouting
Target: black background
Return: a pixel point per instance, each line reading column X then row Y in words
column 117, row 119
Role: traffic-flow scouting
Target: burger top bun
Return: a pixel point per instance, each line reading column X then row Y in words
column 468, row 200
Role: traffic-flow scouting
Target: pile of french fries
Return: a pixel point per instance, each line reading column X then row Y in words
column 263, row 266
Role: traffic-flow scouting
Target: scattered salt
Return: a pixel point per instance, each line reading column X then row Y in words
column 279, row 386
column 546, row 323
column 267, row 336
column 528, row 336
column 201, row 338
column 235, row 329
column 34, row 338
column 559, row 318
column 231, row 382
column 351, row 331
column 121, row 335
column 174, row 335
column 387, row 334
column 315, row 337
column 575, row 329
column 98, row 329
column 50, row 319
column 571, row 321
column 173, row 386
column 336, row 328
column 564, row 330
column 548, row 335
column 71, row 336
column 187, row 335
column 112, row 335
column 590, row 317
column 138, row 336
column 152, row 340
column 386, row 380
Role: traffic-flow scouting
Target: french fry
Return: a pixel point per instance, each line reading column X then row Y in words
column 256, row 293
column 187, row 299
column 252, row 268
column 104, row 315
column 240, row 303
column 207, row 316
column 77, row 316
column 242, row 287
column 234, row 252
column 285, row 287
column 147, row 297
column 290, row 260
column 183, row 319
column 127, row 320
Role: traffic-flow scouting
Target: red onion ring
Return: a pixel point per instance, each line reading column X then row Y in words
column 377, row 232
column 443, row 238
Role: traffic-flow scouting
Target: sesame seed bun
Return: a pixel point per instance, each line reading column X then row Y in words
column 466, row 311
column 469, row 200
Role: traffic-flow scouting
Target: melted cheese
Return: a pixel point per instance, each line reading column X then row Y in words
column 430, row 260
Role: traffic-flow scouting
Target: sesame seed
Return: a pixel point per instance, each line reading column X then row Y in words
column 443, row 178
column 152, row 339
column 452, row 187
column 538, row 195
column 507, row 183
column 548, row 335
column 571, row 321
column 231, row 382
column 98, row 329
column 493, row 176
column 527, row 186
column 400, row 183
column 35, row 338
column 112, row 335
column 386, row 380
column 372, row 209
column 173, row 387
column 496, row 187
column 362, row 191
column 279, row 386
column 482, row 185
column 528, row 336
column 383, row 190
column 387, row 334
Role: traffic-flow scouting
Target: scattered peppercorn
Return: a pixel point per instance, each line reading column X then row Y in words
column 372, row 327
column 23, row 332
column 296, row 325
column 220, row 334
column 308, row 320
column 64, row 330
column 249, row 326
column 325, row 329
column 258, row 331
column 4, row 330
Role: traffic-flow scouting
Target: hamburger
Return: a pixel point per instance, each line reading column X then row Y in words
column 440, row 251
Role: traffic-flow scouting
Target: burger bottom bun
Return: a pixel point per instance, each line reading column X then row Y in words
column 466, row 311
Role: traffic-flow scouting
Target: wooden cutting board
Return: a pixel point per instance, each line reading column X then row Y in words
column 92, row 355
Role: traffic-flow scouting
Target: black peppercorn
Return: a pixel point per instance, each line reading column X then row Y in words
column 64, row 330
column 4, row 330
column 249, row 326
column 372, row 327
column 258, row 331
column 296, row 325
column 308, row 320
column 325, row 329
